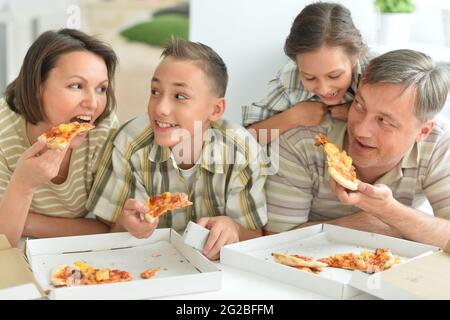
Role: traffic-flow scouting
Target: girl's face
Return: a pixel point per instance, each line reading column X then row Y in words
column 75, row 90
column 326, row 72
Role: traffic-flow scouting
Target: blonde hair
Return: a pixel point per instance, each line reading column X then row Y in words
column 206, row 58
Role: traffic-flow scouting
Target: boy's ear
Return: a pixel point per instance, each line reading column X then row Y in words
column 218, row 109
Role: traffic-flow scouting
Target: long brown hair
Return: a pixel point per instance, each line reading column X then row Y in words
column 23, row 94
column 324, row 23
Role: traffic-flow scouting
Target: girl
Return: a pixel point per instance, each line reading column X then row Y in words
column 66, row 76
column 328, row 56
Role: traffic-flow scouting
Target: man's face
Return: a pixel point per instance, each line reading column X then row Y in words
column 382, row 126
column 181, row 97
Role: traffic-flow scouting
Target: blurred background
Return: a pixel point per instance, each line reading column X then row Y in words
column 248, row 34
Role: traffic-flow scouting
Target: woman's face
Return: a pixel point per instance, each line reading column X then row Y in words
column 75, row 90
column 326, row 72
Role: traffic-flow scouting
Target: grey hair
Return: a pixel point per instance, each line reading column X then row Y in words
column 413, row 69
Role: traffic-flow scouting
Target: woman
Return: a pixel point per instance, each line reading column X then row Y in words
column 66, row 76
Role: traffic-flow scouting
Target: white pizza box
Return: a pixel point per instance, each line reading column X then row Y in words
column 424, row 277
column 16, row 279
column 182, row 269
column 319, row 241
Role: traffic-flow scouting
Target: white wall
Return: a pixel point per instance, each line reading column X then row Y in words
column 250, row 34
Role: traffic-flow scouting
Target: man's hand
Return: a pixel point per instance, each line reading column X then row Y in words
column 223, row 230
column 132, row 220
column 374, row 199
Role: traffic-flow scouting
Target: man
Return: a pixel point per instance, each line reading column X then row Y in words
column 400, row 149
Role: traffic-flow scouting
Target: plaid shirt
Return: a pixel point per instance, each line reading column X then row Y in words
column 229, row 179
column 286, row 90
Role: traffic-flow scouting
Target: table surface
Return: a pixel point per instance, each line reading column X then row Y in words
column 242, row 285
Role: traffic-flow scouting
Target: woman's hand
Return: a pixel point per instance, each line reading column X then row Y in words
column 36, row 166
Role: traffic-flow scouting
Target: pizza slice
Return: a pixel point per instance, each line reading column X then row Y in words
column 60, row 136
column 299, row 262
column 366, row 261
column 160, row 204
column 340, row 165
column 81, row 273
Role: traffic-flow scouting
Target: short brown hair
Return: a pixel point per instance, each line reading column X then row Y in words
column 324, row 23
column 206, row 58
column 415, row 69
column 23, row 94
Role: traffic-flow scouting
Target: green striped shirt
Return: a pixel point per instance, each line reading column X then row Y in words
column 286, row 90
column 229, row 179
column 68, row 199
column 300, row 191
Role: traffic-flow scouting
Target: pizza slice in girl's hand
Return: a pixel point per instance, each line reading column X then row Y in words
column 160, row 204
column 340, row 165
column 60, row 136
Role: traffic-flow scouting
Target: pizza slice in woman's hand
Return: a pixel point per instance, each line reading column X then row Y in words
column 340, row 165
column 60, row 136
column 160, row 204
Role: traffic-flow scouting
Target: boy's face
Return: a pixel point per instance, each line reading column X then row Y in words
column 181, row 99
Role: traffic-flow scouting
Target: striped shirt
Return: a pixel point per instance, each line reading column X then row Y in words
column 68, row 199
column 286, row 90
column 229, row 179
column 300, row 191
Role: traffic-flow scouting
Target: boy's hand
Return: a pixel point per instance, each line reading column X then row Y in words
column 132, row 220
column 223, row 230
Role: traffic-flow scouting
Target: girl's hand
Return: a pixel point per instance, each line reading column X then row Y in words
column 310, row 113
column 339, row 111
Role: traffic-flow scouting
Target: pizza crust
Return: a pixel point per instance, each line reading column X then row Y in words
column 54, row 279
column 348, row 184
column 296, row 262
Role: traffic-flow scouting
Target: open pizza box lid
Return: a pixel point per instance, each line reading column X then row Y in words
column 425, row 277
column 319, row 241
column 183, row 269
column 16, row 279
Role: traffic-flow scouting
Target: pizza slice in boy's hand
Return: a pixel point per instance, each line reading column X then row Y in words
column 160, row 204
column 339, row 164
column 60, row 136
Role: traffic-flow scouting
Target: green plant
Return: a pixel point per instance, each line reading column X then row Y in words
column 395, row 6
column 159, row 30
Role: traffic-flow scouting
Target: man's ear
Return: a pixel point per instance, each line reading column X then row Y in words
column 218, row 109
column 425, row 130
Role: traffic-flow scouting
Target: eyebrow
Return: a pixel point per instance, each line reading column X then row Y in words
column 176, row 84
column 332, row 71
column 384, row 114
column 84, row 79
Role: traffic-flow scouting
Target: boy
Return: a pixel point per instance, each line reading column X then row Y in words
column 181, row 147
